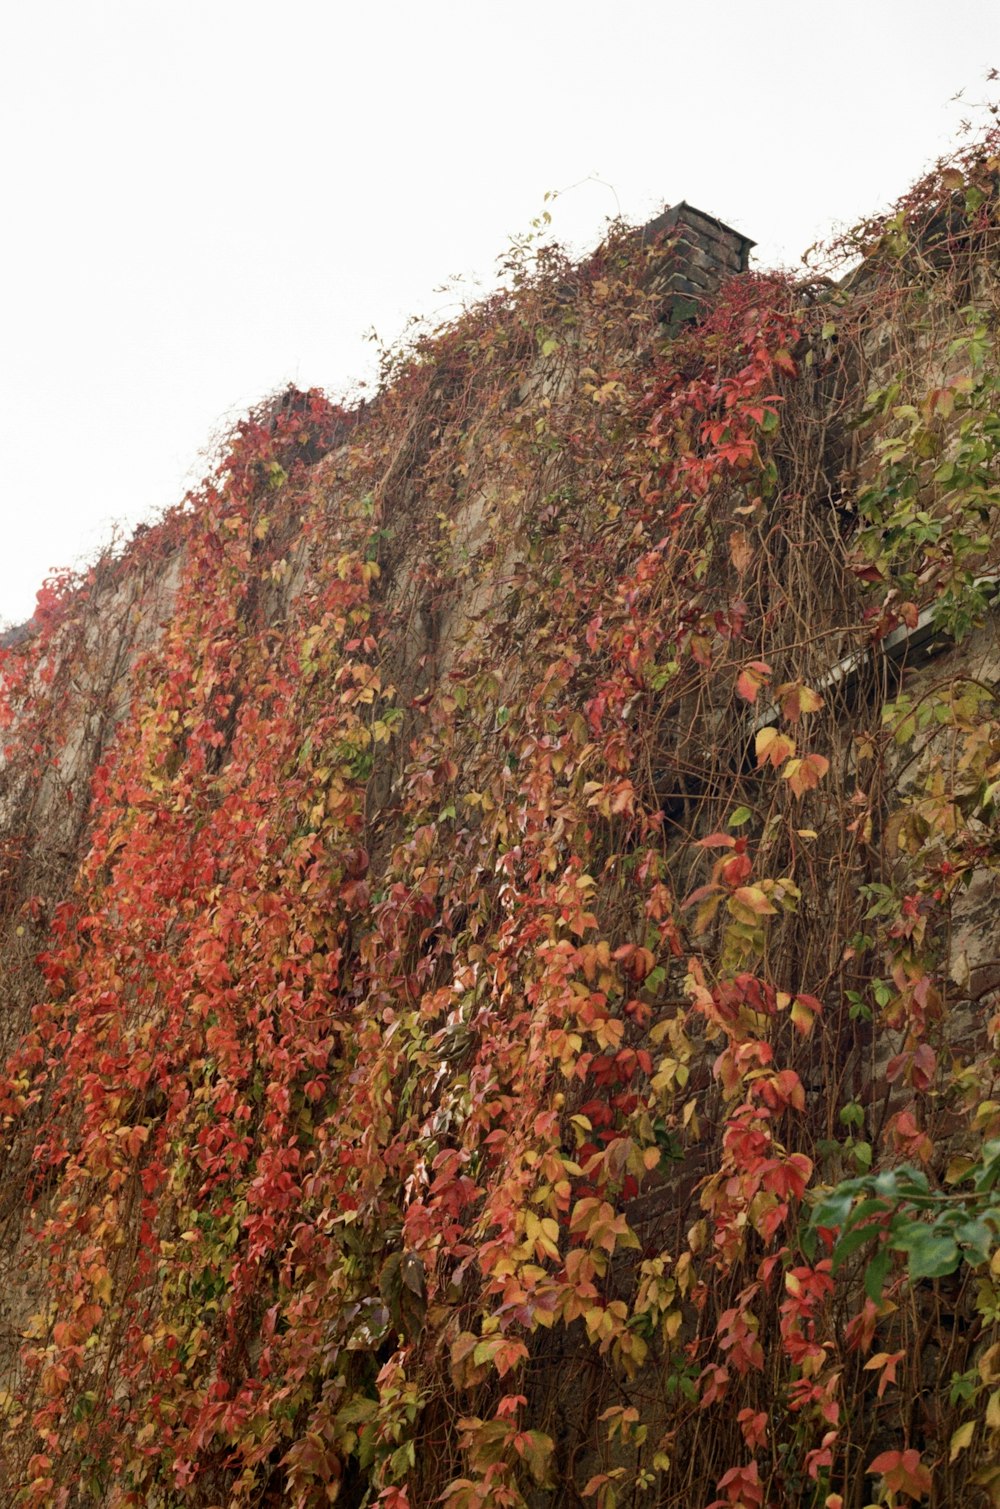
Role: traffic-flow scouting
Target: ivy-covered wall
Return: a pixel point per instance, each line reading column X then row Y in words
column 500, row 969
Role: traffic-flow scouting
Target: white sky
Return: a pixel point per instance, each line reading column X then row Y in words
column 207, row 199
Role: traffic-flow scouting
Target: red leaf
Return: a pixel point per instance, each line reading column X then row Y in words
column 903, row 1472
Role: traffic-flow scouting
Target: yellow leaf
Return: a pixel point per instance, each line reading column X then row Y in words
column 989, row 1480
column 802, row 1017
column 772, row 747
column 961, row 1439
column 989, row 1363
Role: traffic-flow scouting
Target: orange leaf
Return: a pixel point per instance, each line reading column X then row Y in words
column 751, row 898
column 772, row 747
column 751, row 679
column 888, row 1362
column 805, row 774
column 796, row 699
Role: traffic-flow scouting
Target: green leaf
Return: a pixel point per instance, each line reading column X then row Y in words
column 861, row 1152
column 978, row 1238
column 536, row 1448
column 875, row 1275
column 850, row 1242
column 833, row 1209
column 912, row 1181
column 739, row 817
column 932, row 1254
column 869, row 1207
column 989, row 1171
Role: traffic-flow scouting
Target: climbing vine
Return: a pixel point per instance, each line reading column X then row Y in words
column 506, row 1019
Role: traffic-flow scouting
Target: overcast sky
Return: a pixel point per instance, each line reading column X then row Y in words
column 207, row 199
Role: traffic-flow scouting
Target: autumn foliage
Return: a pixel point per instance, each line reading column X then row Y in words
column 483, row 1022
